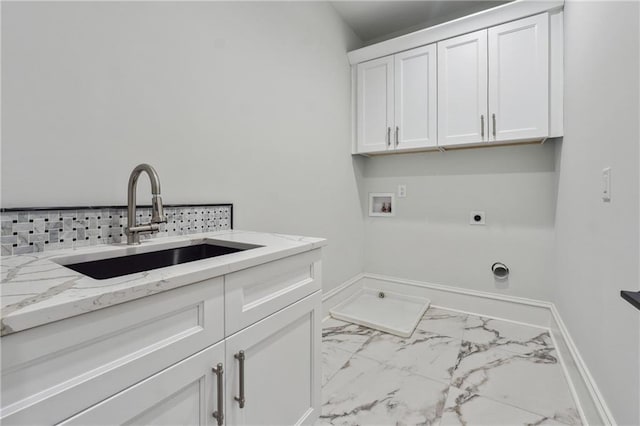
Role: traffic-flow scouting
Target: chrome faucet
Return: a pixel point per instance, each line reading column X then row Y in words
column 133, row 231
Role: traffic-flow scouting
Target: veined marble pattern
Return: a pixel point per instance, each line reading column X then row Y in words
column 463, row 408
column 456, row 369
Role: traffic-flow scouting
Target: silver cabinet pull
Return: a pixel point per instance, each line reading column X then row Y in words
column 240, row 357
column 397, row 130
column 219, row 414
column 388, row 136
column 494, row 125
column 482, row 126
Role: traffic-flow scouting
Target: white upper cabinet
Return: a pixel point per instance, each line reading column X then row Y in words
column 415, row 98
column 462, row 90
column 396, row 102
column 494, row 77
column 375, row 105
column 519, row 79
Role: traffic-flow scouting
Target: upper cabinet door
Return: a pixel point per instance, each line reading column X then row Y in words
column 415, row 98
column 462, row 89
column 519, row 79
column 375, row 105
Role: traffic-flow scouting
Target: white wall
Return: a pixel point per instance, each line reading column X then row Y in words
column 430, row 238
column 597, row 243
column 240, row 102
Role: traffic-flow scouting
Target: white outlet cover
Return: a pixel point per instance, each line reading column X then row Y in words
column 402, row 191
column 472, row 218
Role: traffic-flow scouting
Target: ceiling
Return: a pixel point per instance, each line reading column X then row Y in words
column 374, row 21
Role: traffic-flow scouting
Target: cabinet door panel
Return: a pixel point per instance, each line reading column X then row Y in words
column 375, row 104
column 415, row 98
column 519, row 79
column 462, row 89
column 183, row 394
column 281, row 367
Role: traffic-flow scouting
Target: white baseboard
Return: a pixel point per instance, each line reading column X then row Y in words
column 592, row 407
column 340, row 293
column 586, row 386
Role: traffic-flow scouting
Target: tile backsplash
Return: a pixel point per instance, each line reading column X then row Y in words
column 35, row 230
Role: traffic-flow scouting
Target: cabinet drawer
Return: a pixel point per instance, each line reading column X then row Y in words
column 56, row 370
column 255, row 293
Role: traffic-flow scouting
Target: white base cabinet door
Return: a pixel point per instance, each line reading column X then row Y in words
column 183, row 394
column 273, row 368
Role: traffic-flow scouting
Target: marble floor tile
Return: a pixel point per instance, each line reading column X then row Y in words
column 333, row 358
column 365, row 392
column 464, row 408
column 443, row 322
column 425, row 353
column 345, row 335
column 506, row 335
column 533, row 381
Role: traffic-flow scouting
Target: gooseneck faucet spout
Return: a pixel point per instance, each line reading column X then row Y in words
column 133, row 231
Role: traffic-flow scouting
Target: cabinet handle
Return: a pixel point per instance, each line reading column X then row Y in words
column 388, row 136
column 219, row 414
column 482, row 126
column 240, row 357
column 494, row 126
column 397, row 130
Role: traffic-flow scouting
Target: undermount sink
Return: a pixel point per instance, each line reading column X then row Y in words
column 111, row 267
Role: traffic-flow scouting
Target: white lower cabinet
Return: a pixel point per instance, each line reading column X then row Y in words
column 183, row 394
column 273, row 368
column 151, row 361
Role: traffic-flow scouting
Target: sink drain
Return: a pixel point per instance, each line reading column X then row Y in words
column 381, row 295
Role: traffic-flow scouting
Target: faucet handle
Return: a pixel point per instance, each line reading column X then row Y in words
column 157, row 211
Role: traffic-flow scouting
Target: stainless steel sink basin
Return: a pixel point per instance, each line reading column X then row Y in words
column 101, row 269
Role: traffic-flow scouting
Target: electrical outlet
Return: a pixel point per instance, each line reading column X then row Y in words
column 402, row 191
column 477, row 218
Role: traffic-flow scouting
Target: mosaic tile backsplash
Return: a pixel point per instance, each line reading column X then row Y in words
column 31, row 231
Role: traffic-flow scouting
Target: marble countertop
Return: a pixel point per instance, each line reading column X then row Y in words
column 36, row 290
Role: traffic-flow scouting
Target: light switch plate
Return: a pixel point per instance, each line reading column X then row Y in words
column 606, row 184
column 402, row 191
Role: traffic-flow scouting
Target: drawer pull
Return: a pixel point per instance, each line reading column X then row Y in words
column 219, row 414
column 388, row 136
column 240, row 357
column 482, row 126
column 397, row 130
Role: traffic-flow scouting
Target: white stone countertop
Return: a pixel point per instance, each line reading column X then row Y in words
column 35, row 289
